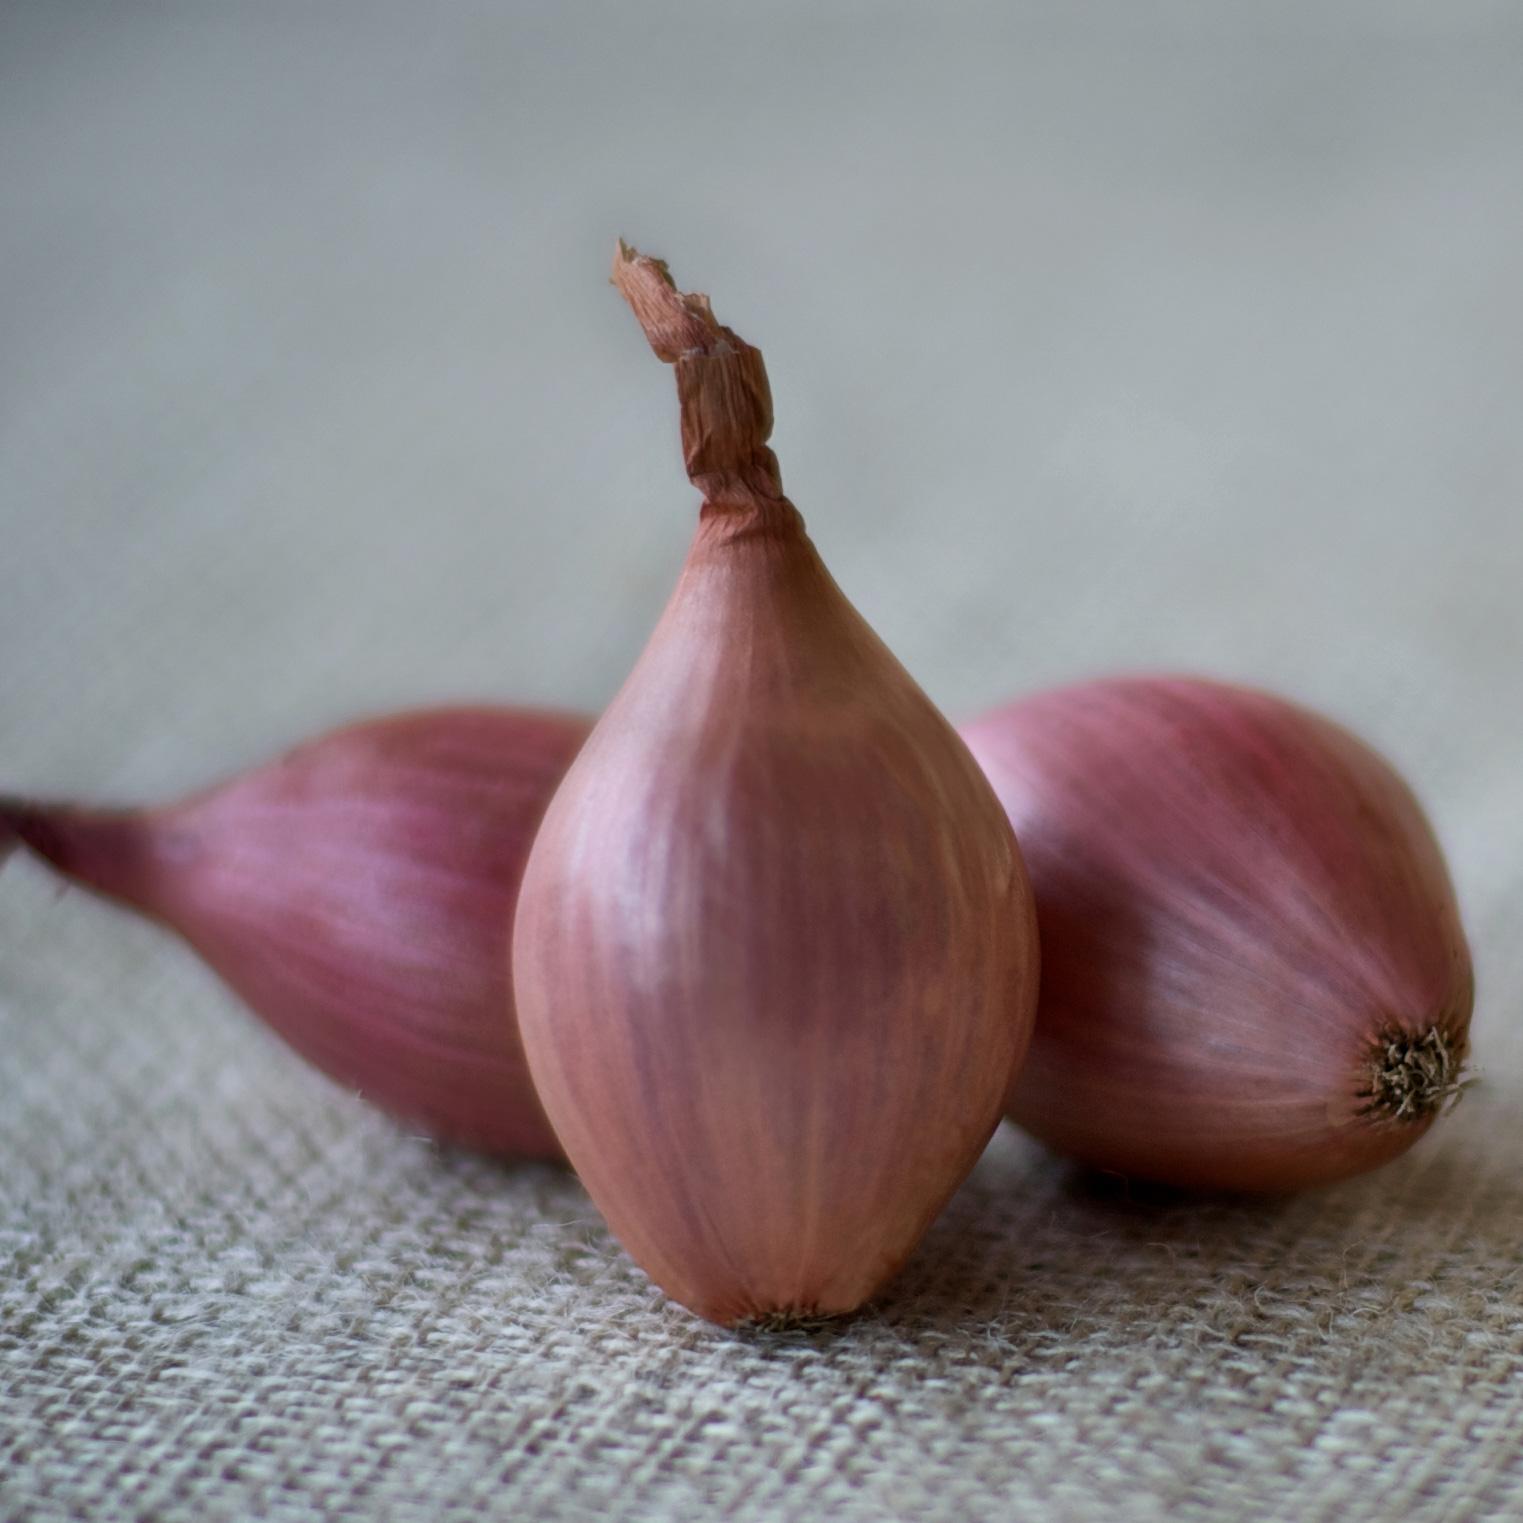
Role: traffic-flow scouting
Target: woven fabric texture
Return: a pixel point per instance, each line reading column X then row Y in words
column 1183, row 336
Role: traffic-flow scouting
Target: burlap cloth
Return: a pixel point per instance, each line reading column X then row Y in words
column 1187, row 336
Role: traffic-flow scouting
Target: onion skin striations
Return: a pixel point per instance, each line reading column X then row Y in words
column 775, row 952
column 356, row 894
column 1253, row 972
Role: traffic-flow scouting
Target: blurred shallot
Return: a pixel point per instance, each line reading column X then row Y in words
column 358, row 895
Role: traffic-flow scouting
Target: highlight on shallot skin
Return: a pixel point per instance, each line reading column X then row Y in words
column 1253, row 971
column 357, row 895
column 775, row 951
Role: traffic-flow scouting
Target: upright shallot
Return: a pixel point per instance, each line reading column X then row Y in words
column 775, row 951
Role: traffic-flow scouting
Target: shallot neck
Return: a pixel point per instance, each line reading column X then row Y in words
column 722, row 391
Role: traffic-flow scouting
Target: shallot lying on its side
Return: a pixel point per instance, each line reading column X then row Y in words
column 1253, row 971
column 358, row 895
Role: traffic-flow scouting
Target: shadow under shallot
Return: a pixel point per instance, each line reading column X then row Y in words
column 1049, row 1263
column 1053, row 1261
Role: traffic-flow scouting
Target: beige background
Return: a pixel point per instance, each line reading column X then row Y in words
column 1101, row 335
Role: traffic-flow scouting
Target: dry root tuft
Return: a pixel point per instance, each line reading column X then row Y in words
column 1413, row 1076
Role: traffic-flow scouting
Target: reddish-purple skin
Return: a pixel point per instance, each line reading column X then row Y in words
column 1236, row 900
column 358, row 894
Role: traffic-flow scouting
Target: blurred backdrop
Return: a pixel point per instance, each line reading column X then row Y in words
column 1183, row 335
column 1097, row 338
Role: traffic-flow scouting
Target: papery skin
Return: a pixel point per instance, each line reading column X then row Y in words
column 1239, row 903
column 775, row 952
column 357, row 894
